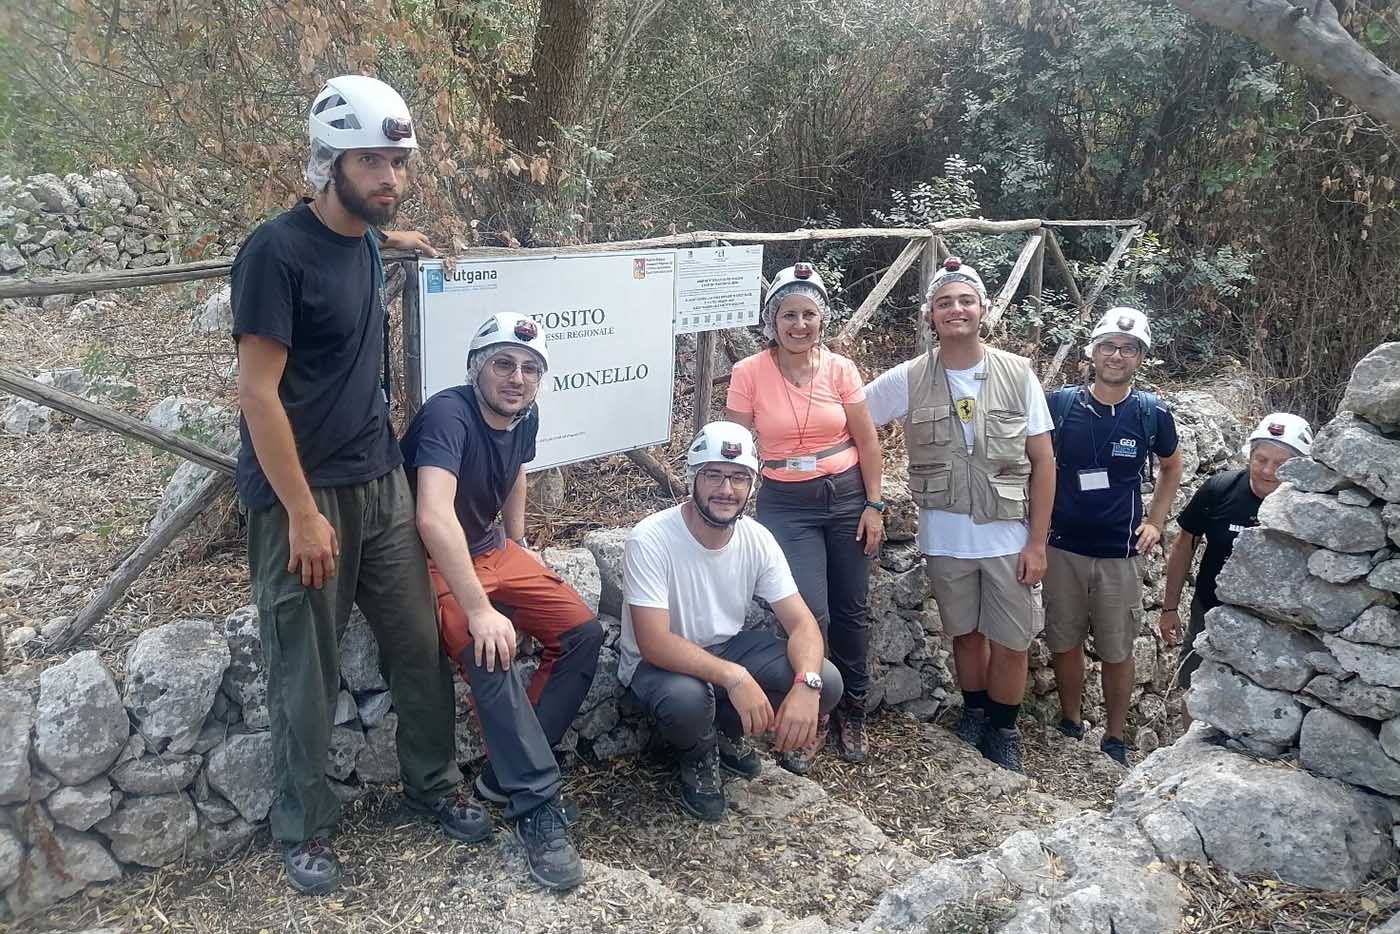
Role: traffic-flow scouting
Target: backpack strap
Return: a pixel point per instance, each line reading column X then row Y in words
column 1149, row 410
column 376, row 262
column 1060, row 402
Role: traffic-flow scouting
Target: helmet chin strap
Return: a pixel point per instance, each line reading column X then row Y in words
column 711, row 520
column 515, row 419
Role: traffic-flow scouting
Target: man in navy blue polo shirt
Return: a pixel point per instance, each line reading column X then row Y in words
column 1105, row 434
column 466, row 451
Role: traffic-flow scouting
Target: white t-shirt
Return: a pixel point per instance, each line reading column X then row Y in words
column 705, row 591
column 953, row 534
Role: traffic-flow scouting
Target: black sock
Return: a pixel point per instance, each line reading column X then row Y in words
column 975, row 700
column 1002, row 716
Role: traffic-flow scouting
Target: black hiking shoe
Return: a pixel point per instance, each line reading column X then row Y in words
column 800, row 761
column 702, row 791
column 1071, row 728
column 1115, row 749
column 312, row 868
column 738, row 757
column 972, row 726
column 1003, row 747
column 487, row 786
column 544, row 834
column 851, row 740
column 460, row 817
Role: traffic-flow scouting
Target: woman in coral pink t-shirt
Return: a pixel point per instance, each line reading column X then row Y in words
column 821, row 492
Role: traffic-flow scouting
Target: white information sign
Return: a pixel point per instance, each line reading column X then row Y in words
column 608, row 319
column 717, row 287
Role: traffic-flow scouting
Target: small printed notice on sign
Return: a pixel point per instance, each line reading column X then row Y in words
column 717, row 288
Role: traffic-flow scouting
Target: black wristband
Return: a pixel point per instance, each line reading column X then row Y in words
column 876, row 504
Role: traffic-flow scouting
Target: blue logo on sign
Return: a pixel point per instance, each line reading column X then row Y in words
column 1127, row 447
column 434, row 280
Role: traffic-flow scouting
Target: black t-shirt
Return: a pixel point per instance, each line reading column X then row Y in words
column 1102, row 523
column 311, row 289
column 1223, row 507
column 449, row 432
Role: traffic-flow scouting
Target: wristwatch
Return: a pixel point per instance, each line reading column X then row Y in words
column 876, row 504
column 809, row 678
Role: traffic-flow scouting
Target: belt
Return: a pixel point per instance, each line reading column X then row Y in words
column 781, row 462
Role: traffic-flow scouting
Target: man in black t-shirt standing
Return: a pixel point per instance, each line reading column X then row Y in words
column 330, row 515
column 466, row 452
column 1224, row 506
column 1105, row 435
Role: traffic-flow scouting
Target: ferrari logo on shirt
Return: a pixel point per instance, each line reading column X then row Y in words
column 965, row 409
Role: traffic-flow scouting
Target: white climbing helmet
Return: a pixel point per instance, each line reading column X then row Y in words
column 359, row 112
column 720, row 443
column 954, row 270
column 800, row 279
column 1129, row 322
column 506, row 329
column 1291, row 431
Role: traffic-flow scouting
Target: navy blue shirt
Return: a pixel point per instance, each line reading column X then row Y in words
column 1223, row 507
column 299, row 283
column 1102, row 523
column 449, row 432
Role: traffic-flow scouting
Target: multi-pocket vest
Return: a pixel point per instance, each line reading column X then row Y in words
column 991, row 482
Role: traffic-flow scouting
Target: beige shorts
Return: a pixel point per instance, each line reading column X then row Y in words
column 983, row 595
column 1102, row 595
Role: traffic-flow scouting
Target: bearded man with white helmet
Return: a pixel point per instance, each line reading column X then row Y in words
column 1223, row 506
column 982, row 472
column 330, row 516
column 466, row 452
column 689, row 574
column 1106, row 434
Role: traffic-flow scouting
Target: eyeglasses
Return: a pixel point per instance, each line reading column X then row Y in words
column 739, row 480
column 505, row 367
column 1127, row 351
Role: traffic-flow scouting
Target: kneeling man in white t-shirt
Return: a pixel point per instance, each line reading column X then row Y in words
column 689, row 574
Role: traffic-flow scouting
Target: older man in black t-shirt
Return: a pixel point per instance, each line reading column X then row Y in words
column 330, row 516
column 1225, row 505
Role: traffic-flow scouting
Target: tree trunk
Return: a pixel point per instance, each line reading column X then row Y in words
column 546, row 97
column 1309, row 34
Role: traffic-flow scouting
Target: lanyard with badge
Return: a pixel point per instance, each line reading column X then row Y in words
column 1096, row 477
column 804, row 463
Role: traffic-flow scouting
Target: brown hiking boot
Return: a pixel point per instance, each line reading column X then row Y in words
column 799, row 761
column 851, row 741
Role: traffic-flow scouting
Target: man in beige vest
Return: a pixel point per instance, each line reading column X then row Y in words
column 982, row 470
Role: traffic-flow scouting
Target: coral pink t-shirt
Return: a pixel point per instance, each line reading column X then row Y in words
column 790, row 421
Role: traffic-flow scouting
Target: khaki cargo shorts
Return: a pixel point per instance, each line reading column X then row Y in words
column 983, row 595
column 1102, row 595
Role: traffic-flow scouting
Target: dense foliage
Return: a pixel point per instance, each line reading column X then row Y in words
column 1271, row 204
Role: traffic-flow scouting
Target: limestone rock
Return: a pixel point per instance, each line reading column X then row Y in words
column 151, row 831
column 15, row 726
column 52, row 194
column 78, row 860
column 345, row 709
column 11, row 857
column 378, row 760
column 184, row 483
column 374, row 707
column 1243, row 709
column 1272, row 655
column 1268, row 573
column 605, row 687
column 1379, row 625
column 172, row 675
column 1359, row 452
column 207, row 422
column 606, row 546
column 892, row 638
column 1375, row 664
column 245, row 679
column 579, row 569
column 157, row 775
column 901, row 512
column 81, row 725
column 359, row 656
column 1390, row 738
column 11, row 259
column 241, row 771
column 23, row 417
column 1337, row 568
column 1374, row 389
column 215, row 809
column 83, row 806
column 1339, row 747
column 900, row 684
column 215, row 841
column 1386, row 576
column 1254, row 818
column 346, row 743
column 1322, row 520
column 1356, row 697
column 912, row 588
column 69, row 379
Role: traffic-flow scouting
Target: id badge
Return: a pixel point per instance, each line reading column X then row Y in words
column 804, row 464
column 1095, row 479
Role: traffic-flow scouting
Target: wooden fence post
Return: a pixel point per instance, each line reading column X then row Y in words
column 934, row 253
column 1037, row 296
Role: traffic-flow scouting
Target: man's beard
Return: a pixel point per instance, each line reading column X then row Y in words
column 359, row 205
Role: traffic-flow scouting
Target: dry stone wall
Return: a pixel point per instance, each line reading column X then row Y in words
column 1304, row 660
